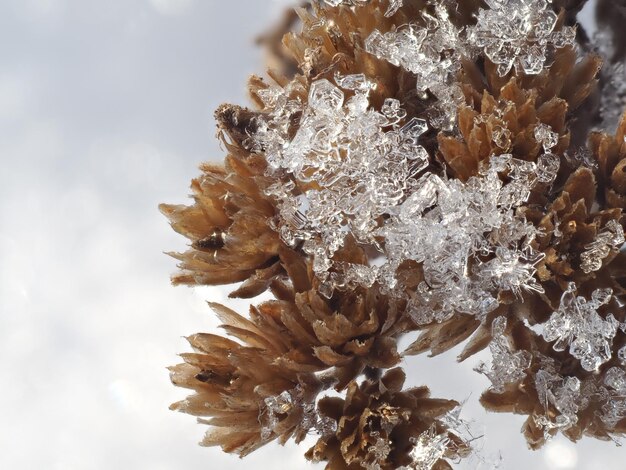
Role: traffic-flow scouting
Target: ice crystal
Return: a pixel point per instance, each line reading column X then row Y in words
column 613, row 96
column 578, row 324
column 428, row 448
column 379, row 451
column 431, row 50
column 280, row 406
column 614, row 410
column 468, row 237
column 351, row 165
column 275, row 407
column 394, row 6
column 616, row 379
column 610, row 237
column 350, row 170
column 581, row 157
column 564, row 394
column 520, row 34
column 621, row 354
column 546, row 136
column 507, row 366
column 336, row 3
column 547, row 167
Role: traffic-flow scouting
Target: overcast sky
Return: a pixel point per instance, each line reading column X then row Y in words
column 105, row 111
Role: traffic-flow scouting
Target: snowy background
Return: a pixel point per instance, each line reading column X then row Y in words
column 105, row 111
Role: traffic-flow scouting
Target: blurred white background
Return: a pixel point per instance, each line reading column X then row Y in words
column 105, row 111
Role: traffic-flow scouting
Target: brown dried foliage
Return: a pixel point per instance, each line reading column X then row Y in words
column 378, row 412
column 300, row 341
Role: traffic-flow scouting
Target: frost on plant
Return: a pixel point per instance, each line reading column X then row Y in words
column 611, row 237
column 280, row 407
column 430, row 49
column 353, row 171
column 520, row 34
column 614, row 410
column 428, row 448
column 414, row 167
column 562, row 393
column 507, row 366
column 346, row 167
column 578, row 324
column 455, row 224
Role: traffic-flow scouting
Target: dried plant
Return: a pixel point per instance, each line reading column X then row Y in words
column 419, row 166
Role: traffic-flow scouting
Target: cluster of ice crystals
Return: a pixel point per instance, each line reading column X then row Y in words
column 570, row 396
column 548, row 165
column 275, row 407
column 614, row 410
column 352, row 171
column 336, row 3
column 469, row 239
column 613, row 96
column 431, row 446
column 610, row 237
column 394, row 5
column 578, row 324
column 520, row 34
column 346, row 167
column 507, row 366
column 428, row 448
column 358, row 172
column 431, row 50
column 378, row 453
column 563, row 393
column 278, row 407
